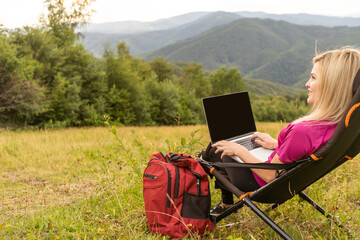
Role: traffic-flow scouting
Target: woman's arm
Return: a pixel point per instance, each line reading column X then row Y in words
column 267, row 175
column 234, row 149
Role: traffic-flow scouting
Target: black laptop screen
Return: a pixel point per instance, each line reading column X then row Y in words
column 228, row 116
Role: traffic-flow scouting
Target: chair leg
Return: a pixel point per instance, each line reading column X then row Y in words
column 266, row 219
column 232, row 209
column 275, row 205
column 321, row 210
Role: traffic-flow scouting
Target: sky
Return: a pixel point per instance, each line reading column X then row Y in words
column 17, row 13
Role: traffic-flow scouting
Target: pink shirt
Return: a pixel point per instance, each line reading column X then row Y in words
column 298, row 141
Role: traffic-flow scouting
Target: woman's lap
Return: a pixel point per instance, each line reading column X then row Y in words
column 242, row 178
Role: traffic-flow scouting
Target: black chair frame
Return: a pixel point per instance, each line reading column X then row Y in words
column 343, row 146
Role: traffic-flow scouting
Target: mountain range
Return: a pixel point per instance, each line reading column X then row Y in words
column 265, row 49
column 145, row 41
column 275, row 50
column 130, row 27
column 142, row 37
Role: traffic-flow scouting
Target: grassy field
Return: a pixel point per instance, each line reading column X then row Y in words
column 82, row 183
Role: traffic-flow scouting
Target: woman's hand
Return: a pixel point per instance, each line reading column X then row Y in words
column 229, row 148
column 265, row 140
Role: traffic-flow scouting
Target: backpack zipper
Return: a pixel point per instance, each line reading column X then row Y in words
column 168, row 188
column 177, row 183
column 198, row 182
column 168, row 197
column 150, row 176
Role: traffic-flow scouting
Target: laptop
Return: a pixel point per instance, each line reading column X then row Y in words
column 229, row 117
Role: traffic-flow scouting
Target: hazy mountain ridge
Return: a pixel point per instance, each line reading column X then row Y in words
column 140, row 43
column 142, row 37
column 305, row 19
column 129, row 27
column 272, row 50
column 260, row 48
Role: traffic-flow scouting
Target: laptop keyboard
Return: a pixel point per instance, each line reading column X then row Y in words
column 247, row 143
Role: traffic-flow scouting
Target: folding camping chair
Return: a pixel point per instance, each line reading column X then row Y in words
column 342, row 146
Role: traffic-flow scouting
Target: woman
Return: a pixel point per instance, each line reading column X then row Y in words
column 329, row 93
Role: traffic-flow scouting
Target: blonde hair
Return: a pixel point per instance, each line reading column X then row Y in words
column 337, row 70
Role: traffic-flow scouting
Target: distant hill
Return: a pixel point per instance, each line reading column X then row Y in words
column 146, row 36
column 305, row 19
column 128, row 27
column 147, row 41
column 263, row 87
column 261, row 49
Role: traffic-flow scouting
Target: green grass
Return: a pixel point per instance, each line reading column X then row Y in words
column 81, row 183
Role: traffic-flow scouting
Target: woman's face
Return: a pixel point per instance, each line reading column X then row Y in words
column 313, row 84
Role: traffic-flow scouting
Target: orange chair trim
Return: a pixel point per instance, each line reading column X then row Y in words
column 352, row 109
column 244, row 195
column 315, row 157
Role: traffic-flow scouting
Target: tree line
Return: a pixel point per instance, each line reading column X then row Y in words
column 48, row 79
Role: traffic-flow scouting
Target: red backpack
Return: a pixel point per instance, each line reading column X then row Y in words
column 176, row 195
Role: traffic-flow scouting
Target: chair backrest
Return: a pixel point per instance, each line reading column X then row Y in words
column 342, row 146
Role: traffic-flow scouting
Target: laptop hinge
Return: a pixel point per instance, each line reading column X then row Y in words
column 241, row 136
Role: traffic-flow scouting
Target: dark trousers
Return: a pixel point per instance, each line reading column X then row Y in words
column 242, row 178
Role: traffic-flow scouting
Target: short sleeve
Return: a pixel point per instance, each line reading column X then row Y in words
column 296, row 144
column 298, row 141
